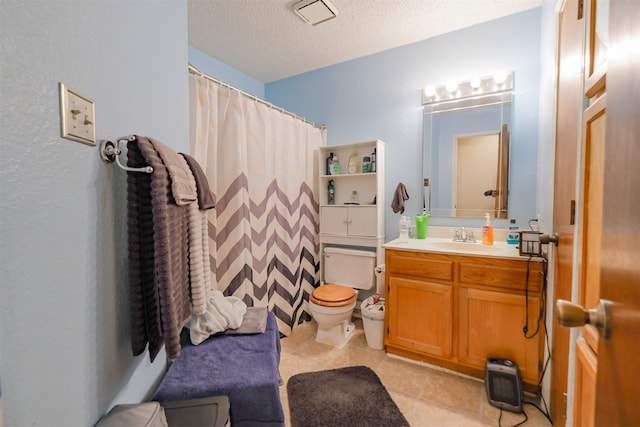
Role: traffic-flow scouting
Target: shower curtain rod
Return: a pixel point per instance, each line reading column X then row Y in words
column 194, row 70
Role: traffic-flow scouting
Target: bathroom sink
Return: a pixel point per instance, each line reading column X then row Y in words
column 466, row 247
column 434, row 244
column 462, row 246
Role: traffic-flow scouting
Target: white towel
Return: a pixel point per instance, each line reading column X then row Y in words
column 222, row 313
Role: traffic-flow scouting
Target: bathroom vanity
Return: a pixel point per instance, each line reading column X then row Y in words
column 456, row 304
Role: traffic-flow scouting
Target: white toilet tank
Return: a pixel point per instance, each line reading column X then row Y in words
column 349, row 267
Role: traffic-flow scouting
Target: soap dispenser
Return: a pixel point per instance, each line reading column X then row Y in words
column 487, row 231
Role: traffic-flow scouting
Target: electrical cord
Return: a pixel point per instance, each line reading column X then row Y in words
column 543, row 308
column 526, row 418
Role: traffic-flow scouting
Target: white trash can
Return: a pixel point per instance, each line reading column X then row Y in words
column 373, row 321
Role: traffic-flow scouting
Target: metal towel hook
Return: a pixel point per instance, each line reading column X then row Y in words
column 110, row 152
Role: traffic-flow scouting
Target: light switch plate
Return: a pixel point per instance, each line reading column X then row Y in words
column 77, row 116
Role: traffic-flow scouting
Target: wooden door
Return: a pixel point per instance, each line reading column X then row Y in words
column 607, row 382
column 501, row 203
column 618, row 379
column 591, row 207
column 569, row 109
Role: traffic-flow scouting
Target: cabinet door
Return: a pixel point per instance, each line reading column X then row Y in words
column 349, row 221
column 491, row 325
column 420, row 316
column 362, row 221
column 585, row 385
column 333, row 220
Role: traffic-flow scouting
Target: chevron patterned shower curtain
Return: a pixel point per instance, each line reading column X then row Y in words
column 262, row 167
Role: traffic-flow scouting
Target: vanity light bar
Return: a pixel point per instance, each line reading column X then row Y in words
column 500, row 82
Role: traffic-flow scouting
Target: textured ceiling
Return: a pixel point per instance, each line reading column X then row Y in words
column 266, row 40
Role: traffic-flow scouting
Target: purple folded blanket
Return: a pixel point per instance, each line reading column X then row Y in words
column 243, row 367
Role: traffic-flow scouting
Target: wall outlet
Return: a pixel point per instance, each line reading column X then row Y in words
column 77, row 116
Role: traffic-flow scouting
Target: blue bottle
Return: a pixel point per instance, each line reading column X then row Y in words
column 513, row 238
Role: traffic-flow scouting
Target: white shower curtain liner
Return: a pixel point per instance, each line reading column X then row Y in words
column 262, row 167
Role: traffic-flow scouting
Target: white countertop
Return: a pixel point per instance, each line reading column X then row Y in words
column 448, row 246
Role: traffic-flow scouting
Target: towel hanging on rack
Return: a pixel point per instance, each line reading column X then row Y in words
column 399, row 197
column 158, row 248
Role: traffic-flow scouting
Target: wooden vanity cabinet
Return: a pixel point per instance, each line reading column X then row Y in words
column 420, row 312
column 456, row 311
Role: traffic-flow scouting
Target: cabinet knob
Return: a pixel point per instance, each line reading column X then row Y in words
column 573, row 315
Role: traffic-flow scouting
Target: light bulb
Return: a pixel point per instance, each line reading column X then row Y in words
column 475, row 83
column 452, row 87
column 430, row 91
column 500, row 77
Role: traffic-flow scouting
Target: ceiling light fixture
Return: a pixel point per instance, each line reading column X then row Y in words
column 315, row 11
column 501, row 82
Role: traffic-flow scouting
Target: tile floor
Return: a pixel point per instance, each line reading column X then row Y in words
column 426, row 396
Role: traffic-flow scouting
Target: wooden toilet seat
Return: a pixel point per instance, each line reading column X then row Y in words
column 330, row 295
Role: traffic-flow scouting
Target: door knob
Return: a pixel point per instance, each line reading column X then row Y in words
column 573, row 315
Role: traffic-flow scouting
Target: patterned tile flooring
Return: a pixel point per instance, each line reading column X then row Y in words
column 425, row 395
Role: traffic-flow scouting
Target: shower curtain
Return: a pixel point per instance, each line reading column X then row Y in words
column 262, row 167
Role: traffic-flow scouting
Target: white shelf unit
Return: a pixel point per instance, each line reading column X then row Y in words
column 343, row 224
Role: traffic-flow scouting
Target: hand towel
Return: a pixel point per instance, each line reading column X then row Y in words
column 397, row 204
column 206, row 199
column 254, row 322
column 183, row 189
column 222, row 313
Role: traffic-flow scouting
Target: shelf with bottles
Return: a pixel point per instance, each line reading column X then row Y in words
column 358, row 190
column 355, row 159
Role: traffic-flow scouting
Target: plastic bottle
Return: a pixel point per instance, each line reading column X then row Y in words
column 335, row 165
column 366, row 164
column 329, row 161
column 487, row 231
column 331, row 193
column 353, row 163
column 373, row 160
column 513, row 238
column 404, row 230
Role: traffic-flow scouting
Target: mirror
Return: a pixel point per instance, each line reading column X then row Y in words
column 466, row 156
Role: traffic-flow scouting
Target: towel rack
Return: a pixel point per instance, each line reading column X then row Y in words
column 110, row 152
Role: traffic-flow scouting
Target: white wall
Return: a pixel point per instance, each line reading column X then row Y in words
column 65, row 355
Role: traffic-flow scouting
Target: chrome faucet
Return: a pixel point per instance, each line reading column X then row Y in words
column 462, row 235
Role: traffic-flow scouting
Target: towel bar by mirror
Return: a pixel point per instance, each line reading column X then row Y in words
column 110, row 152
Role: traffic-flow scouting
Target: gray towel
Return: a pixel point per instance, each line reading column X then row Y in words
column 398, row 198
column 206, row 199
column 254, row 322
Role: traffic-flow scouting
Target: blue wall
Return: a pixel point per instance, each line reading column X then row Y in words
column 223, row 72
column 379, row 97
column 65, row 355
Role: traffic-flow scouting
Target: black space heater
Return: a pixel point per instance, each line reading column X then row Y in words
column 504, row 386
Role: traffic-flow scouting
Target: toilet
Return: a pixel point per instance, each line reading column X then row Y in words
column 331, row 304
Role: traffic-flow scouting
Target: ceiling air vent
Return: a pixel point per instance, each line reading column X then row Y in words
column 315, row 11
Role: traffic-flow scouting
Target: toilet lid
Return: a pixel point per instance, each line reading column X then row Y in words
column 330, row 295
